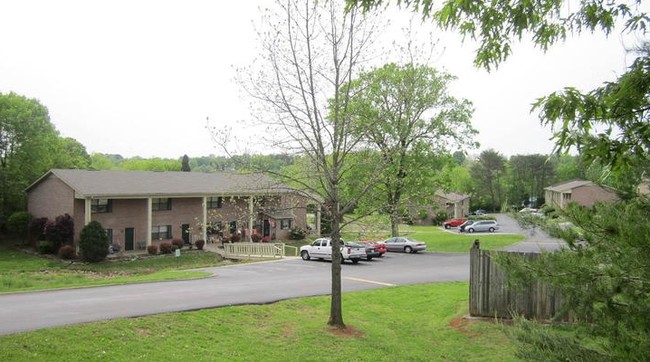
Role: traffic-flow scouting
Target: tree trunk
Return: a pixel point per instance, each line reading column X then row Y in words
column 394, row 223
column 336, row 307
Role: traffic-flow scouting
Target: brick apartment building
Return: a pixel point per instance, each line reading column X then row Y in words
column 139, row 208
column 581, row 192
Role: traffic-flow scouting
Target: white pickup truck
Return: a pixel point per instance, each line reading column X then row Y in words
column 322, row 249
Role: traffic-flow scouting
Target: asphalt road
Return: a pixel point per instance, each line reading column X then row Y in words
column 257, row 283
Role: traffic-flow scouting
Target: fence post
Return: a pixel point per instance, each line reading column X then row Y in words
column 474, row 275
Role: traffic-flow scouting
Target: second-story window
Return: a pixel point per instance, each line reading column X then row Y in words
column 163, row 203
column 101, row 206
column 215, row 202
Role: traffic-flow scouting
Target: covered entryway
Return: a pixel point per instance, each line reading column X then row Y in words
column 185, row 230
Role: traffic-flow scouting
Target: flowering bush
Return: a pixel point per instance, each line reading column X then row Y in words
column 177, row 244
column 166, row 248
column 152, row 249
column 67, row 252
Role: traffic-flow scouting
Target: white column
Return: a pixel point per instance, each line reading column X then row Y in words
column 88, row 211
column 250, row 218
column 149, row 220
column 204, row 225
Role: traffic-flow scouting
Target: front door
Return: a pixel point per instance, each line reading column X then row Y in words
column 186, row 233
column 267, row 228
column 129, row 236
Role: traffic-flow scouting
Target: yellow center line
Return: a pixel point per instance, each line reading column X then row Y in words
column 369, row 281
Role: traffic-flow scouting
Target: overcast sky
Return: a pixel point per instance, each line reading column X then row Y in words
column 139, row 78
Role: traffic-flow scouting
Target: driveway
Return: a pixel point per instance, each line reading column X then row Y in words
column 536, row 239
column 258, row 283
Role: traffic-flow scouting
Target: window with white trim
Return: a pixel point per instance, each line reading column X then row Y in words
column 101, row 206
column 160, row 204
column 215, row 202
column 285, row 224
column 161, row 232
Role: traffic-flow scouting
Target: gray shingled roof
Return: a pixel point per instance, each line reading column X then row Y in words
column 568, row 186
column 451, row 196
column 146, row 183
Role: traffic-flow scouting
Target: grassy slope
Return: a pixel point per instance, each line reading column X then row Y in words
column 414, row 323
column 24, row 272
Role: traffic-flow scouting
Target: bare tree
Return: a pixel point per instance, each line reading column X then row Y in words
column 311, row 52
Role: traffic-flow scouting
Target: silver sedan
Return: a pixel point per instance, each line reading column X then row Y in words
column 406, row 245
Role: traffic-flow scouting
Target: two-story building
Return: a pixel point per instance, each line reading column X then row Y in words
column 581, row 192
column 138, row 208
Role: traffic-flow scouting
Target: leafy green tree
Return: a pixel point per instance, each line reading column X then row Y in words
column 619, row 108
column 70, row 154
column 18, row 224
column 93, row 242
column 529, row 175
column 407, row 115
column 606, row 282
column 28, row 142
column 150, row 164
column 99, row 161
column 488, row 172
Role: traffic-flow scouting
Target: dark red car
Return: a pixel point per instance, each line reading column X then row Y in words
column 379, row 247
column 453, row 223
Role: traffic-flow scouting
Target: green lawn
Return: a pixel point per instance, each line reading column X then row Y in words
column 442, row 241
column 414, row 323
column 24, row 272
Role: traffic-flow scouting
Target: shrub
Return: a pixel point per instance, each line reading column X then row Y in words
column 235, row 238
column 45, row 247
column 177, row 244
column 297, row 233
column 67, row 252
column 166, row 248
column 93, row 242
column 440, row 217
column 266, row 239
column 199, row 244
column 60, row 231
column 256, row 238
column 152, row 249
column 37, row 228
column 18, row 224
column 225, row 239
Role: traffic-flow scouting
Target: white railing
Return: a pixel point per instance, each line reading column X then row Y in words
column 254, row 250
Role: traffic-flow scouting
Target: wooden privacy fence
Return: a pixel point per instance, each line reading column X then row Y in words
column 254, row 250
column 490, row 296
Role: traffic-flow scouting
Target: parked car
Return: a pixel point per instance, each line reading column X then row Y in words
column 406, row 245
column 322, row 249
column 379, row 246
column 483, row 225
column 454, row 222
column 478, row 212
column 371, row 251
column 464, row 225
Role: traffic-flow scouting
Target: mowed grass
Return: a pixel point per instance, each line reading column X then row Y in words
column 24, row 272
column 440, row 240
column 412, row 323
